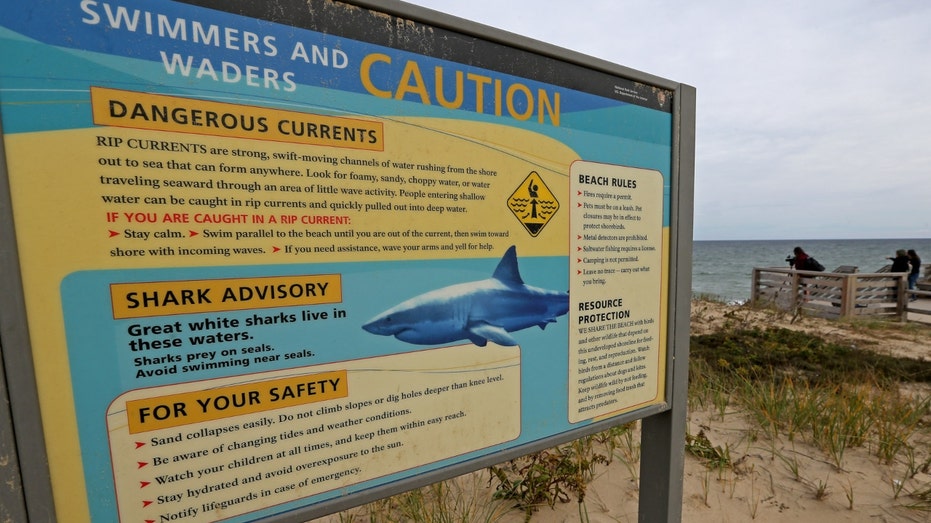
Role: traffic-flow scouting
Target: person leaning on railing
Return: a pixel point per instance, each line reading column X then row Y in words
column 900, row 262
column 798, row 259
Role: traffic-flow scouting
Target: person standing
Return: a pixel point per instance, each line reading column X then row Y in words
column 900, row 262
column 915, row 271
column 800, row 260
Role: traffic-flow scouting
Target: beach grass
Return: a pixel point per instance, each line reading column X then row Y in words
column 792, row 386
column 795, row 385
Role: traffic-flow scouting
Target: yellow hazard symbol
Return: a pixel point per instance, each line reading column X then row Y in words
column 533, row 203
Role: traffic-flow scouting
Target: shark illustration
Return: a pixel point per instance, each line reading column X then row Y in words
column 477, row 311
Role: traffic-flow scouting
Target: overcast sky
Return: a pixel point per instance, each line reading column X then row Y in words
column 813, row 119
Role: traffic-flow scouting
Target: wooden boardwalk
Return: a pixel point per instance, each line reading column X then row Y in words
column 842, row 293
column 919, row 310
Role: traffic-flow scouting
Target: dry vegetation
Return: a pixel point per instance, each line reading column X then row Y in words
column 788, row 417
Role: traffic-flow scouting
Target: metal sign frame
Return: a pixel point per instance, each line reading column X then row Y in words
column 31, row 449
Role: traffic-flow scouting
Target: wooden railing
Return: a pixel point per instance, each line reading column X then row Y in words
column 837, row 295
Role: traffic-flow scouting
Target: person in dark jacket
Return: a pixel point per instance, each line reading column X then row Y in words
column 900, row 262
column 800, row 259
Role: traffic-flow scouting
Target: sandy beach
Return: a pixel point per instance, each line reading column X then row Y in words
column 766, row 480
column 766, row 486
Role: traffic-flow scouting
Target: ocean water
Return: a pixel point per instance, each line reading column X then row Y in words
column 724, row 268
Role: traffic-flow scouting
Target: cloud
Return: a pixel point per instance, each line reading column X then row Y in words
column 813, row 118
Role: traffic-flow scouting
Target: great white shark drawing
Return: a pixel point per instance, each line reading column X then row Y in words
column 477, row 311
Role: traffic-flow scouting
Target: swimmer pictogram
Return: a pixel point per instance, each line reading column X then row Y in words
column 533, row 204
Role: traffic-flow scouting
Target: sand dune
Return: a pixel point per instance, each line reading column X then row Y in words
column 767, row 481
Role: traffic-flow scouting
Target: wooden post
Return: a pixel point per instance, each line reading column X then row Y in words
column 794, row 304
column 755, row 287
column 902, row 297
column 848, row 295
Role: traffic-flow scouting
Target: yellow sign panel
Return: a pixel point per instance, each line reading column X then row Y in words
column 320, row 437
column 533, row 204
column 164, row 412
column 159, row 112
column 164, row 298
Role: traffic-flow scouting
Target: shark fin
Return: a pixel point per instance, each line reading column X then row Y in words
column 507, row 271
column 487, row 331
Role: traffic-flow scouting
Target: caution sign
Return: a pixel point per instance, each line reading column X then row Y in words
column 533, row 203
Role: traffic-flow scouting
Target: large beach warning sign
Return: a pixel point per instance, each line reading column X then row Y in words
column 276, row 255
